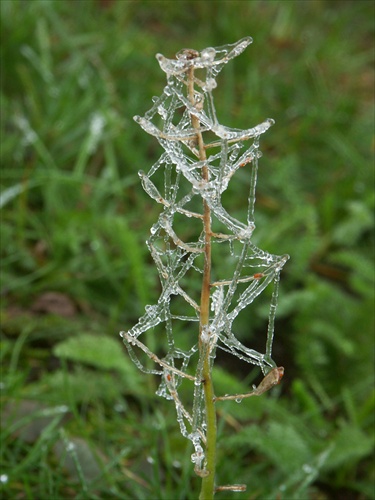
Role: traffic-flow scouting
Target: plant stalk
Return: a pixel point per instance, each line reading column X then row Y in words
column 208, row 481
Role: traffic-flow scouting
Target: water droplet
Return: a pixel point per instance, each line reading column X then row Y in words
column 307, row 469
column 205, row 335
column 245, row 234
column 167, row 90
column 96, row 125
column 70, row 446
column 198, row 457
column 208, row 55
column 62, row 409
column 162, row 112
column 210, row 84
column 152, row 311
column 238, row 400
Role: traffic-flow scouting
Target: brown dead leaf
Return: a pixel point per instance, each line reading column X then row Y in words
column 54, row 303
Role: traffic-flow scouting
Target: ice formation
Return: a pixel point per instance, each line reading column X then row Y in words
column 175, row 182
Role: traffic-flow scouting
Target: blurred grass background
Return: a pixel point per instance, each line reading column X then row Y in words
column 78, row 420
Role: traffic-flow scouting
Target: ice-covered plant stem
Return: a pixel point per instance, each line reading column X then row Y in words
column 200, row 158
column 208, row 478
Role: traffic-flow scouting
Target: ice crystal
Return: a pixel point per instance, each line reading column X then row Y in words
column 182, row 193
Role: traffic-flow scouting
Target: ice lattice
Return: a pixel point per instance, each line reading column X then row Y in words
column 200, row 158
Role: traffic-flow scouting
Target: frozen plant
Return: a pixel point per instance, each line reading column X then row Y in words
column 200, row 158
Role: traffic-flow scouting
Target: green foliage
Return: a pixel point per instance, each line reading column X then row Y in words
column 84, row 348
column 74, row 221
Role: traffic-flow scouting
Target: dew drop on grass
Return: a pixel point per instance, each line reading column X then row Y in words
column 70, row 446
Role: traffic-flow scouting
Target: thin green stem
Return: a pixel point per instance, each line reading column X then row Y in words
column 208, row 481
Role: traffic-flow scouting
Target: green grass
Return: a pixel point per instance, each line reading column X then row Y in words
column 78, row 420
